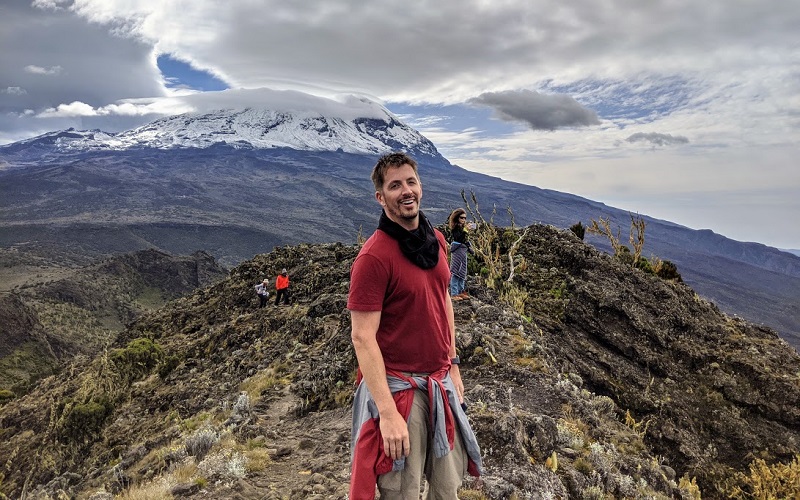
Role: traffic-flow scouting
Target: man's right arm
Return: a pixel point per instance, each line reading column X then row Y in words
column 370, row 360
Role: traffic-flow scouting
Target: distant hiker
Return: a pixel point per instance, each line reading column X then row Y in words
column 263, row 293
column 407, row 413
column 282, row 287
column 457, row 222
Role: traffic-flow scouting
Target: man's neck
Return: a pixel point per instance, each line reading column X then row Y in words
column 407, row 224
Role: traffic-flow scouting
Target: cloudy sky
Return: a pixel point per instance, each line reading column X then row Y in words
column 683, row 110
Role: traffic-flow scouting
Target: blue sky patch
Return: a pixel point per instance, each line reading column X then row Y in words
column 179, row 74
column 455, row 117
column 646, row 99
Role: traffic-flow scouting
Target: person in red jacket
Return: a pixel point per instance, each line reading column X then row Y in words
column 282, row 287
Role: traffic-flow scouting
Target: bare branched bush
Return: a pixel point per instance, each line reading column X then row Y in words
column 497, row 252
column 602, row 227
column 637, row 225
column 485, row 240
column 360, row 238
column 662, row 268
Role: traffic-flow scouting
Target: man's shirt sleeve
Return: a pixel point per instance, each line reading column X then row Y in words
column 369, row 280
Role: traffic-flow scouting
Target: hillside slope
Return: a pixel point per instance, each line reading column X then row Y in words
column 614, row 382
column 79, row 310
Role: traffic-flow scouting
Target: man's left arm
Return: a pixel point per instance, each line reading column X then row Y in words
column 455, row 370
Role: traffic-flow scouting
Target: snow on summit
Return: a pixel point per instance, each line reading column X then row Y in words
column 271, row 120
column 260, row 128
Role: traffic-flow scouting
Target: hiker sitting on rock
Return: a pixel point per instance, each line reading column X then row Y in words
column 263, row 294
column 457, row 222
column 282, row 287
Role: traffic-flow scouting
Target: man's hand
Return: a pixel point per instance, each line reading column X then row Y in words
column 455, row 375
column 394, row 430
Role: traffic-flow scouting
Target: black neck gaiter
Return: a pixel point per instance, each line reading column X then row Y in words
column 422, row 248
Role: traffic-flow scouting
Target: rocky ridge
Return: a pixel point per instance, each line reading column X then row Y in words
column 613, row 383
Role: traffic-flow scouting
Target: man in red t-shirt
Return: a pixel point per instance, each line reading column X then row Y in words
column 403, row 333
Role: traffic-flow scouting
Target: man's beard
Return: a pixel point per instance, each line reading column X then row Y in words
column 406, row 215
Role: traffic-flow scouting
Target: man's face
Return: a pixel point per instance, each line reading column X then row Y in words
column 400, row 196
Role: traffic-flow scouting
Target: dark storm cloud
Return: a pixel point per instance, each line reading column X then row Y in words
column 657, row 139
column 539, row 111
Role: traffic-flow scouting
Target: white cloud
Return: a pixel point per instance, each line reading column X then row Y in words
column 50, row 4
column 14, row 91
column 449, row 51
column 59, row 58
column 38, row 70
column 75, row 108
column 346, row 106
column 657, row 139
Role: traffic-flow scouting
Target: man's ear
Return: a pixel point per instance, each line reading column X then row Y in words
column 379, row 197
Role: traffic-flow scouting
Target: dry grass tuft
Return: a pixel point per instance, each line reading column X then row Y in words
column 766, row 482
column 261, row 382
column 155, row 490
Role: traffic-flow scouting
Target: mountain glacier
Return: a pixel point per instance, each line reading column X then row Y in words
column 247, row 128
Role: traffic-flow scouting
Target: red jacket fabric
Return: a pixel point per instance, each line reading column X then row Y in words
column 368, row 459
column 282, row 282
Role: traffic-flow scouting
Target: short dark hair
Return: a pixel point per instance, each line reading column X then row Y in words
column 391, row 160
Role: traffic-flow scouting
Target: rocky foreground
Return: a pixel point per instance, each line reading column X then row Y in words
column 603, row 382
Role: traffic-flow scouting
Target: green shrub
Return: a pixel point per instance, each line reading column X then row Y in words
column 137, row 358
column 475, row 267
column 645, row 266
column 6, row 396
column 583, row 466
column 85, row 420
column 579, row 230
column 668, row 271
column 168, row 364
column 507, row 239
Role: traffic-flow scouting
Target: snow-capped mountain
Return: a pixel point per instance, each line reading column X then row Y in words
column 248, row 128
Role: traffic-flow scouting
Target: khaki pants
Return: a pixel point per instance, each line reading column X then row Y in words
column 444, row 474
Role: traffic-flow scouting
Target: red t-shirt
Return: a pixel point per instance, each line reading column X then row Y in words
column 414, row 335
